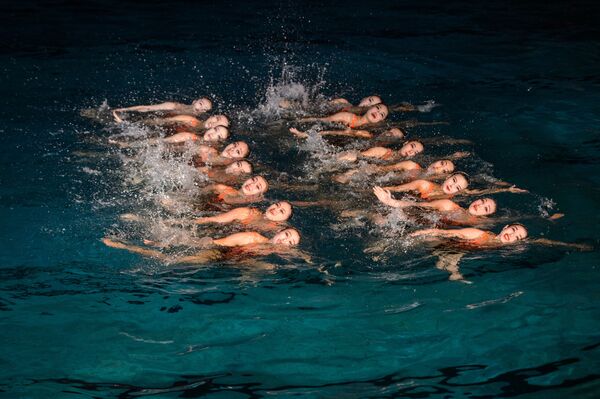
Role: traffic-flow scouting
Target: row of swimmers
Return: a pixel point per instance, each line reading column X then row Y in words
column 437, row 185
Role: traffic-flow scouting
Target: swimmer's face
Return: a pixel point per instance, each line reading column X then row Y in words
column 287, row 237
column 411, row 149
column 202, row 105
column 239, row 168
column 279, row 211
column 217, row 133
column 454, row 184
column 236, row 150
column 395, row 132
column 512, row 233
column 482, row 207
column 377, row 113
column 370, row 101
column 216, row 120
column 441, row 167
column 255, row 186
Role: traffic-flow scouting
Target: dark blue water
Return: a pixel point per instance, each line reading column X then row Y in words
column 81, row 320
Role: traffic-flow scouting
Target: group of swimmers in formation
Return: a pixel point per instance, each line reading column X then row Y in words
column 437, row 188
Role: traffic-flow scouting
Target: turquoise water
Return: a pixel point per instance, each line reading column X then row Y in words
column 81, row 320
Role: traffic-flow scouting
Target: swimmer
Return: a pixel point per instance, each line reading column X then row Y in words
column 189, row 122
column 252, row 190
column 197, row 107
column 436, row 169
column 408, row 150
column 212, row 135
column 454, row 184
column 451, row 212
column 245, row 244
column 231, row 153
column 374, row 115
column 471, row 238
column 272, row 219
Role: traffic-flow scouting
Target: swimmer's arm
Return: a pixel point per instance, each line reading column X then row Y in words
column 181, row 137
column 375, row 152
column 183, row 119
column 363, row 134
column 399, row 166
column 215, row 188
column 166, row 106
column 152, row 253
column 227, row 217
column 465, row 234
column 340, row 101
column 412, row 186
column 552, row 243
column 385, row 196
column 240, row 239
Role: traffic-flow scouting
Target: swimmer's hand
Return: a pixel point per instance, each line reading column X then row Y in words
column 516, row 190
column 298, row 133
column 383, row 195
column 116, row 116
column 113, row 244
column 556, row 216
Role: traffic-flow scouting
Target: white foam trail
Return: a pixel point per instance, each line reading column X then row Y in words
column 147, row 341
column 495, row 301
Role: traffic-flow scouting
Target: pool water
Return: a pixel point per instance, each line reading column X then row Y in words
column 521, row 81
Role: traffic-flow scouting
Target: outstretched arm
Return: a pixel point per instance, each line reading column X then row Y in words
column 465, row 234
column 412, row 186
column 363, row 134
column 496, row 190
column 152, row 253
column 240, row 239
column 181, row 137
column 166, row 106
column 227, row 217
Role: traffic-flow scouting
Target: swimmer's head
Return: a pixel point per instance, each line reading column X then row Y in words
column 370, row 101
column 377, row 113
column 279, row 211
column 287, row 237
column 217, row 133
column 202, row 105
column 441, row 167
column 482, row 207
column 513, row 233
column 395, row 132
column 239, row 168
column 216, row 120
column 236, row 150
column 256, row 185
column 410, row 149
column 455, row 183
